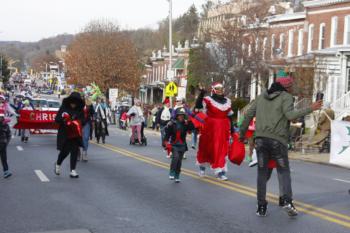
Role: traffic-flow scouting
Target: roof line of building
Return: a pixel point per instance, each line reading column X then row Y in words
column 287, row 17
column 317, row 3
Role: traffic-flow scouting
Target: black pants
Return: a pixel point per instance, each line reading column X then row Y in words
column 3, row 155
column 176, row 161
column 101, row 130
column 268, row 149
column 70, row 147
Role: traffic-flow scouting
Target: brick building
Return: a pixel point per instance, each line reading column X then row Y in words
column 315, row 41
column 319, row 38
column 155, row 76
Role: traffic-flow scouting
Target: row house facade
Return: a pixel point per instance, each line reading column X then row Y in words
column 156, row 74
column 317, row 39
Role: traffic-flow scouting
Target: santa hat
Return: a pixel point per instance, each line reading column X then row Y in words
column 217, row 85
column 166, row 101
column 2, row 113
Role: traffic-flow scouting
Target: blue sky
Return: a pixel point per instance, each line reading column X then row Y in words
column 32, row 20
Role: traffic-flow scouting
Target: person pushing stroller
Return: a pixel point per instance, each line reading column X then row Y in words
column 136, row 122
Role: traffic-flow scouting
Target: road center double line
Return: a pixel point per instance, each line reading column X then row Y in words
column 328, row 215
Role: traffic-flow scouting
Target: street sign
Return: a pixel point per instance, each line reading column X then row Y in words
column 113, row 95
column 170, row 74
column 171, row 89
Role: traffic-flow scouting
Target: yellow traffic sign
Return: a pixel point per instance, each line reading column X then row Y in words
column 171, row 89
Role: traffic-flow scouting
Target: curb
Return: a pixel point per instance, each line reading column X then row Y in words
column 157, row 133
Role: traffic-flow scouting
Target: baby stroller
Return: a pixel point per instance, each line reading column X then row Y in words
column 143, row 137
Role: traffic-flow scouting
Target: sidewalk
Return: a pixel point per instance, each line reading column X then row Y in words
column 320, row 158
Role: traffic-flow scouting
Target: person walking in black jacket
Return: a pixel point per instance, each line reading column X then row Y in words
column 163, row 118
column 70, row 118
column 5, row 137
column 175, row 140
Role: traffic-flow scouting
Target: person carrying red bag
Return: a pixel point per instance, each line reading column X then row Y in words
column 70, row 118
column 274, row 109
column 214, row 140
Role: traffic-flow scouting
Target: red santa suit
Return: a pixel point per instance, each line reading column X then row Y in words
column 214, row 140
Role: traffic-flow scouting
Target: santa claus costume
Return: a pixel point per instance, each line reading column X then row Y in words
column 215, row 136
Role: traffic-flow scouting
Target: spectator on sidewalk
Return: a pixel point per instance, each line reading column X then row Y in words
column 274, row 110
column 163, row 118
column 323, row 131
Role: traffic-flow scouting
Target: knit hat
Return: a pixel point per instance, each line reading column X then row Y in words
column 285, row 81
column 166, row 101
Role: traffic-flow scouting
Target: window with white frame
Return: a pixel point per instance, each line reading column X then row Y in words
column 321, row 41
column 347, row 30
column 334, row 29
column 310, row 38
column 273, row 45
column 264, row 48
column 282, row 41
column 300, row 42
column 290, row 42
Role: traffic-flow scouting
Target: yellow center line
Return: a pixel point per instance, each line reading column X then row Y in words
column 328, row 215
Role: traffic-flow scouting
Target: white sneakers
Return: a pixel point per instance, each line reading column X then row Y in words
column 57, row 169
column 222, row 177
column 201, row 173
column 84, row 156
column 74, row 174
column 253, row 163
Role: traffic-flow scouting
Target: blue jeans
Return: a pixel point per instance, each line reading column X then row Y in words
column 194, row 137
column 86, row 136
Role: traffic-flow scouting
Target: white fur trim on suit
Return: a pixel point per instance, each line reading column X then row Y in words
column 222, row 107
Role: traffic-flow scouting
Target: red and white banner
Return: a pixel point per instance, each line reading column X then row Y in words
column 35, row 119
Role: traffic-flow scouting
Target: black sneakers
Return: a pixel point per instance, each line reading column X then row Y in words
column 281, row 202
column 261, row 210
column 290, row 209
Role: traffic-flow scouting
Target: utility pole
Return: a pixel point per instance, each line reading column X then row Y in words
column 0, row 66
column 170, row 40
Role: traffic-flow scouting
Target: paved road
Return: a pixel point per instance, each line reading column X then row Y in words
column 126, row 189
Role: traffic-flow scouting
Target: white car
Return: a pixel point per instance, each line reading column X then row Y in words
column 40, row 104
column 53, row 105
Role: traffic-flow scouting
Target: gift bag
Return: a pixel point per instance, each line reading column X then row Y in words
column 237, row 150
column 74, row 129
column 272, row 164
